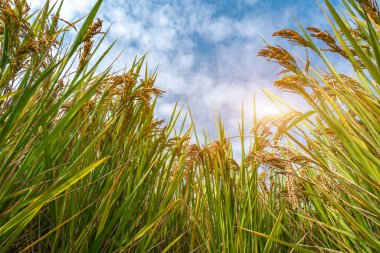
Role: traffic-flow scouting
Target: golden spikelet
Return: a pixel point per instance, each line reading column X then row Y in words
column 325, row 36
column 339, row 84
column 218, row 152
column 193, row 155
column 178, row 144
column 232, row 164
column 280, row 56
column 293, row 37
column 253, row 158
column 146, row 91
column 294, row 156
column 87, row 107
column 283, row 123
column 357, row 34
column 263, row 157
column 322, row 182
column 128, row 80
column 263, row 180
column 330, row 41
column 318, row 94
column 280, row 121
column 346, row 81
column 291, row 83
column 263, row 132
column 214, row 149
column 291, row 187
column 176, row 168
column 85, row 52
column 371, row 8
column 124, row 87
column 154, row 128
column 7, row 14
column 94, row 29
column 273, row 160
column 118, row 84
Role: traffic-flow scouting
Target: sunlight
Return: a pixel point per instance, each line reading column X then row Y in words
column 265, row 109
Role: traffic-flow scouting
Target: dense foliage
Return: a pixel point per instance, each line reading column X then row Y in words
column 86, row 167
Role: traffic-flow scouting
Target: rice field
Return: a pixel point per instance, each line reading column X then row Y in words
column 86, row 166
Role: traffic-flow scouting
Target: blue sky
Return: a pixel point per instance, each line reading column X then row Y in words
column 206, row 50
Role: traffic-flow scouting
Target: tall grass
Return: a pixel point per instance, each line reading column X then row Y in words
column 83, row 160
column 86, row 167
column 342, row 141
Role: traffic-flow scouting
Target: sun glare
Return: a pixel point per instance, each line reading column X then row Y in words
column 265, row 109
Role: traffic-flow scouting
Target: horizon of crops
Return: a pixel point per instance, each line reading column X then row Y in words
column 85, row 166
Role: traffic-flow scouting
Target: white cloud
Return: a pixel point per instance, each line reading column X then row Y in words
column 215, row 75
column 166, row 109
column 217, row 29
column 70, row 9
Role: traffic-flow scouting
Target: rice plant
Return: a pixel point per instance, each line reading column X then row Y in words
column 341, row 139
column 84, row 162
column 85, row 166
